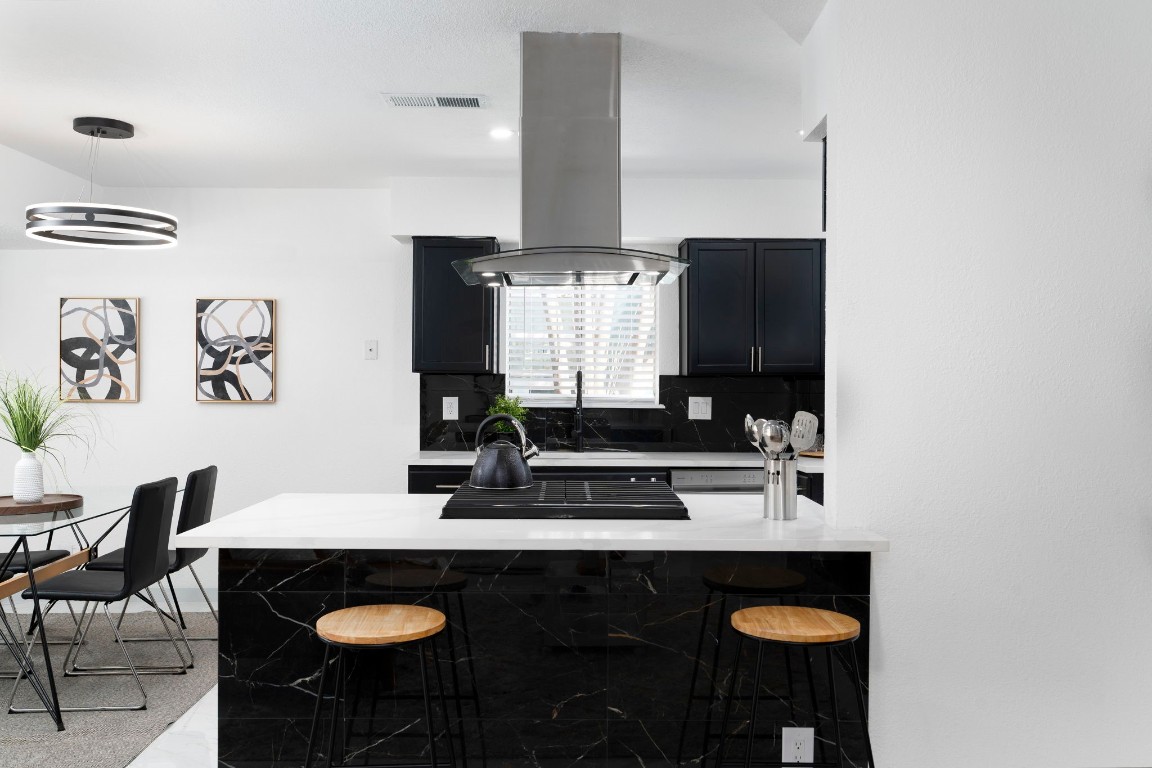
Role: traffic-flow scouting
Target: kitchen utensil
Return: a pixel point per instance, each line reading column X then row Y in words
column 761, row 427
column 752, row 433
column 774, row 437
column 500, row 465
column 803, row 431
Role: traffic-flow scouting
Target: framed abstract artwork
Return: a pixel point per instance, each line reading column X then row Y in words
column 235, row 350
column 100, row 350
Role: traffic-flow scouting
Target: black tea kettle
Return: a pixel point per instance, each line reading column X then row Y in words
column 500, row 465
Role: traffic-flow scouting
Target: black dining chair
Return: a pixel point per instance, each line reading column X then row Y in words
column 195, row 510
column 145, row 564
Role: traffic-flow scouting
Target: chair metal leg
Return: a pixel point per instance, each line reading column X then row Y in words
column 129, row 666
column 75, row 670
column 13, row 641
column 179, row 613
column 204, row 592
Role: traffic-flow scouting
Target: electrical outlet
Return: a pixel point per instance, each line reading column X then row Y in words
column 796, row 745
column 700, row 408
column 371, row 349
column 451, row 408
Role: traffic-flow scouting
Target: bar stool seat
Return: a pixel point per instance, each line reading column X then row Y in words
column 379, row 624
column 795, row 624
column 752, row 579
column 418, row 579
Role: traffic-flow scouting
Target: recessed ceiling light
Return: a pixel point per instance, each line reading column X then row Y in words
column 800, row 132
column 502, row 134
column 493, row 285
column 487, row 274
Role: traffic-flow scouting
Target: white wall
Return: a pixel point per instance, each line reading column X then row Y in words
column 339, row 422
column 653, row 210
column 990, row 280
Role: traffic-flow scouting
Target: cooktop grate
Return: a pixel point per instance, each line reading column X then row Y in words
column 569, row 499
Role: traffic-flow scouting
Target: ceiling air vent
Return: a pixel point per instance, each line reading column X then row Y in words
column 457, row 101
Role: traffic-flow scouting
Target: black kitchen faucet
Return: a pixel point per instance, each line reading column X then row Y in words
column 578, row 427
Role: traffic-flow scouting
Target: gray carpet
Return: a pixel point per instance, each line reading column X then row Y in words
column 104, row 739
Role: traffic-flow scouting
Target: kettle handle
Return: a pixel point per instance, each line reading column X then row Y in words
column 502, row 417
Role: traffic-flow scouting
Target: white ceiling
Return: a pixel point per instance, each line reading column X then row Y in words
column 286, row 93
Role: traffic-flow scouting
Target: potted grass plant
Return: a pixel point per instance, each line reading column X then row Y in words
column 35, row 421
column 510, row 406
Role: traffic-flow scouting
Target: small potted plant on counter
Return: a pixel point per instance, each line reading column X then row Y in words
column 33, row 417
column 510, row 406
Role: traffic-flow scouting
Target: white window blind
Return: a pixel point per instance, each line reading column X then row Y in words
column 608, row 332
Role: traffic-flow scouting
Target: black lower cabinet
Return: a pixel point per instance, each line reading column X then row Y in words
column 578, row 657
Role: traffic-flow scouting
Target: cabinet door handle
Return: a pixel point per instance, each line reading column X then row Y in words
column 486, row 355
column 449, row 487
column 761, row 366
column 752, row 359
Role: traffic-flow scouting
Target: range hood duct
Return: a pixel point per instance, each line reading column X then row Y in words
column 570, row 173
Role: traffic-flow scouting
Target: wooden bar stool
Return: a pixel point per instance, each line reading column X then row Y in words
column 739, row 581
column 790, row 625
column 380, row 626
column 407, row 578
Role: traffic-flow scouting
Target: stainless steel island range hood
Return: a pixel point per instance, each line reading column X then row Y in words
column 570, row 173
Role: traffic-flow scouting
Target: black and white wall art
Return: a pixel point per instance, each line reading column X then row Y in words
column 235, row 350
column 100, row 350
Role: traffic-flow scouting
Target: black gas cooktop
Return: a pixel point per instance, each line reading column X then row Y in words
column 569, row 499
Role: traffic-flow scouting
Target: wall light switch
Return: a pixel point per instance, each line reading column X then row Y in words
column 700, row 408
column 451, row 408
column 371, row 349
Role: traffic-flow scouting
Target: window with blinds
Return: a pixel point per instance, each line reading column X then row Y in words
column 608, row 332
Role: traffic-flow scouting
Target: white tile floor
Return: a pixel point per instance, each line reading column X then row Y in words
column 190, row 742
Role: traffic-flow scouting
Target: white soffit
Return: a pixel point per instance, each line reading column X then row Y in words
column 288, row 93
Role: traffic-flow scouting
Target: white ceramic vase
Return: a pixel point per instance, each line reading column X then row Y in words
column 28, row 480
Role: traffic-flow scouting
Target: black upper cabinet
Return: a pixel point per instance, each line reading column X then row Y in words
column 453, row 324
column 752, row 307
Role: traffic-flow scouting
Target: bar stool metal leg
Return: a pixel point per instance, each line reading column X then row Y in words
column 316, row 711
column 707, row 608
column 815, row 705
column 427, row 704
column 443, row 706
column 860, row 702
column 335, row 705
column 835, row 709
column 452, row 662
column 472, row 674
column 755, row 701
column 720, row 754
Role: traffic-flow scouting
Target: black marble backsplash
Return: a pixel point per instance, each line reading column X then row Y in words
column 637, row 429
column 576, row 657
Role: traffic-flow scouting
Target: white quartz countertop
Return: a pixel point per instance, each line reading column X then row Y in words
column 720, row 522
column 671, row 459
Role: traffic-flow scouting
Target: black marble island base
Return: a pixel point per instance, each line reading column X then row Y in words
column 580, row 657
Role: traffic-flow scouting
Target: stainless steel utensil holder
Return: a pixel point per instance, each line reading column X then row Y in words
column 779, row 489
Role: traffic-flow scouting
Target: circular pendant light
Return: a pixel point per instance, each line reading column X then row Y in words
column 100, row 225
